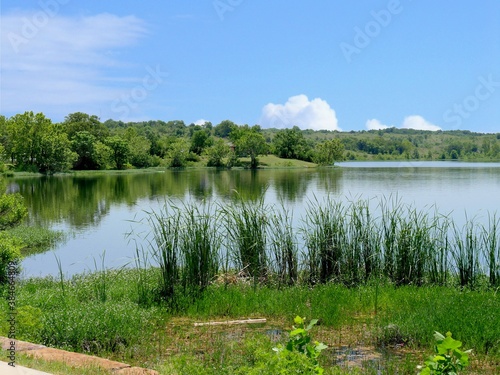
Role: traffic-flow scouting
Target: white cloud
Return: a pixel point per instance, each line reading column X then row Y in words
column 200, row 122
column 410, row 122
column 59, row 65
column 300, row 111
column 418, row 123
column 375, row 124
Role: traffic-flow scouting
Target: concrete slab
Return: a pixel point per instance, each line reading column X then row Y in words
column 5, row 369
column 69, row 358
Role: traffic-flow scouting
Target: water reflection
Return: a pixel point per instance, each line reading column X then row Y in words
column 98, row 207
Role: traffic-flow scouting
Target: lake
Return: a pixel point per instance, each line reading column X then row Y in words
column 97, row 211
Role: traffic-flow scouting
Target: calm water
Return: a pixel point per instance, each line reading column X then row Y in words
column 98, row 211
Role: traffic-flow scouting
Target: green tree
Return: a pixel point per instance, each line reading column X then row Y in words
column 36, row 144
column 291, row 144
column 84, row 145
column 139, row 149
column 12, row 212
column 103, row 155
column 178, row 154
column 4, row 138
column 78, row 122
column 25, row 132
column 199, row 141
column 176, row 128
column 119, row 151
column 55, row 152
column 217, row 153
column 2, row 159
column 251, row 143
column 224, row 129
column 328, row 152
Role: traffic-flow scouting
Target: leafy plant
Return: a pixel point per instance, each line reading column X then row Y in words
column 449, row 359
column 300, row 342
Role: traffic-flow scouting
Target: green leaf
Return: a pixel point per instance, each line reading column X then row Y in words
column 438, row 336
column 298, row 320
column 311, row 324
column 320, row 346
column 450, row 344
column 297, row 331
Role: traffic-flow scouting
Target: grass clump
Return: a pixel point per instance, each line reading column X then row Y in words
column 35, row 239
column 246, row 227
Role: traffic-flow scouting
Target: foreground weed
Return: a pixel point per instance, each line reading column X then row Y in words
column 449, row 359
column 299, row 356
column 300, row 341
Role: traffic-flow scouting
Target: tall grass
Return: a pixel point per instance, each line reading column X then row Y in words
column 324, row 233
column 246, row 227
column 491, row 242
column 199, row 242
column 284, row 246
column 364, row 248
column 391, row 213
column 438, row 255
column 466, row 254
column 165, row 225
column 348, row 243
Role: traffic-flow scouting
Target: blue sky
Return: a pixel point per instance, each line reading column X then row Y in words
column 348, row 65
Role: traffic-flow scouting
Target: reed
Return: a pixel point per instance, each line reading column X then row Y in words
column 491, row 245
column 199, row 243
column 438, row 255
column 390, row 217
column 413, row 240
column 101, row 284
column 466, row 254
column 362, row 258
column 164, row 247
column 246, row 227
column 324, row 235
column 284, row 246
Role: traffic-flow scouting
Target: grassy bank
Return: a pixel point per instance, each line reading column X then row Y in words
column 103, row 314
column 380, row 281
column 35, row 239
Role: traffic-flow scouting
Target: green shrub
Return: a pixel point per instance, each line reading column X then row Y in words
column 10, row 251
column 299, row 356
column 449, row 359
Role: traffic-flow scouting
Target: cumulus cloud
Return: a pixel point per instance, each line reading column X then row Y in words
column 200, row 122
column 57, row 64
column 410, row 122
column 375, row 124
column 418, row 123
column 299, row 111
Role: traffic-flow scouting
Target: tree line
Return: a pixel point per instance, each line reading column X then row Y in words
column 32, row 142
